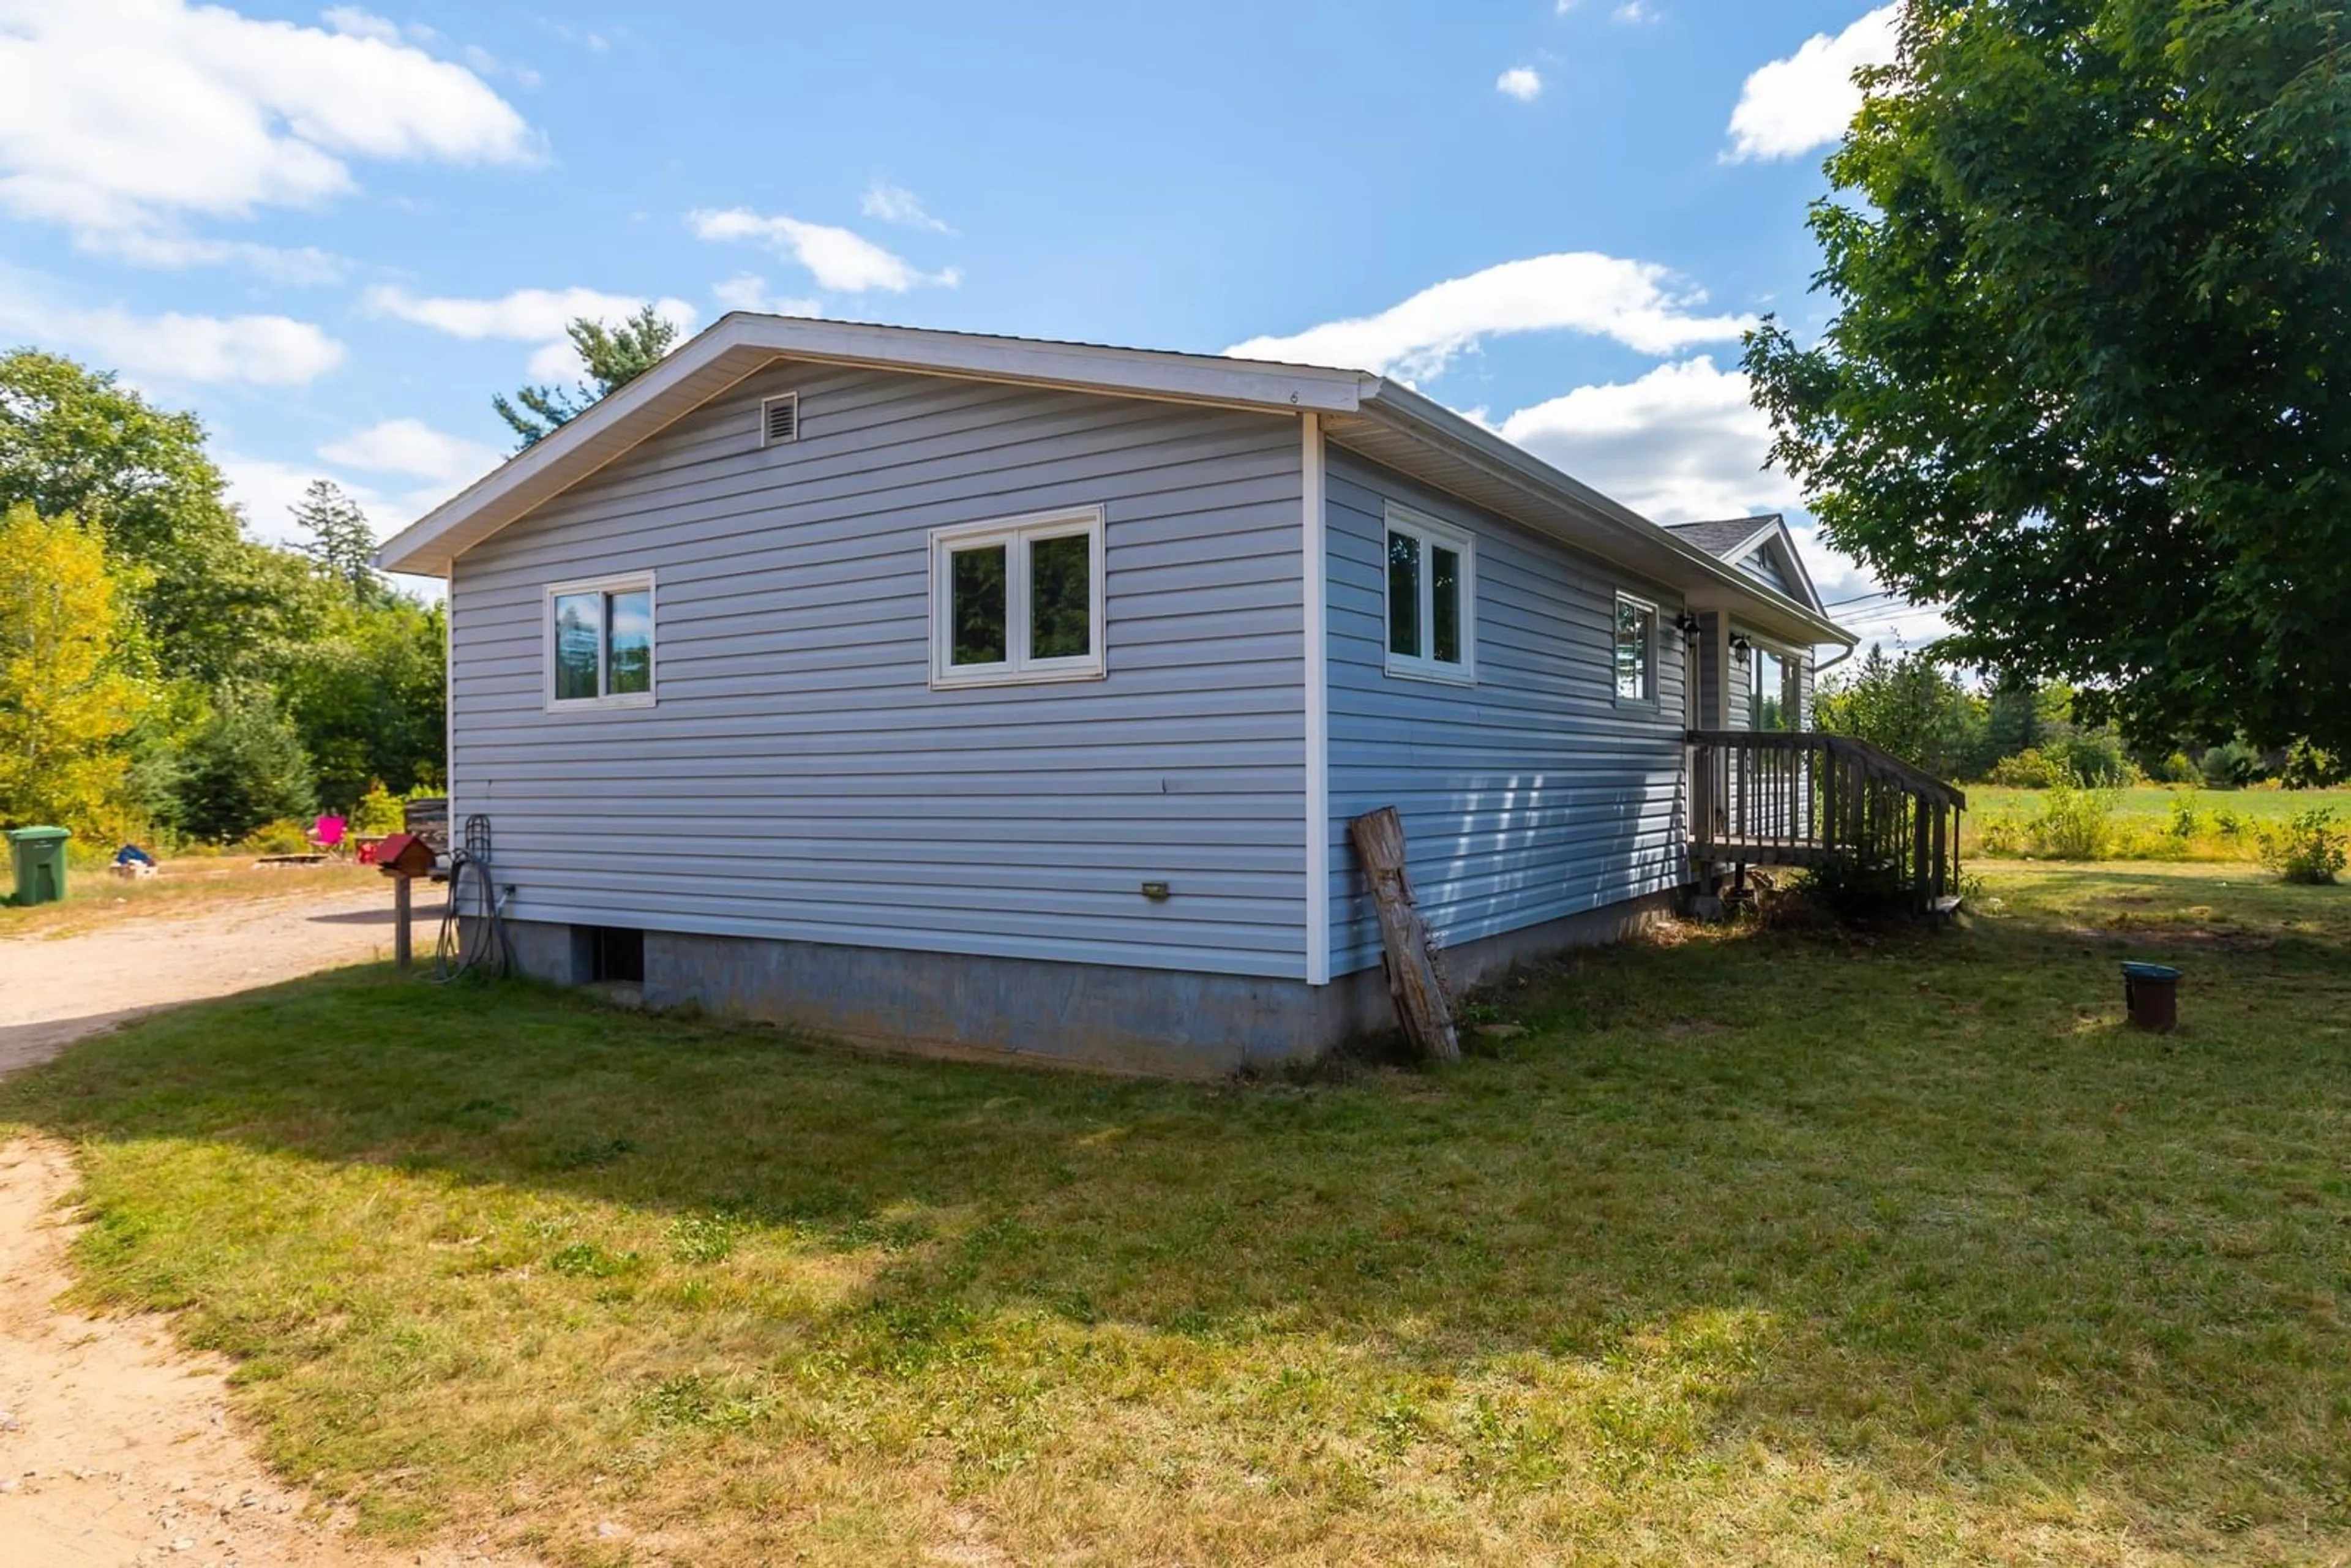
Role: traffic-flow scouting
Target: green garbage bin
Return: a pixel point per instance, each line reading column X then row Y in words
column 40, row 857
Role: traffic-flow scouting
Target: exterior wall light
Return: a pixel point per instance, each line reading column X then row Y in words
column 1741, row 646
column 1687, row 624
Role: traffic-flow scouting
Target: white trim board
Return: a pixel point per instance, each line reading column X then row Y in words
column 1314, row 555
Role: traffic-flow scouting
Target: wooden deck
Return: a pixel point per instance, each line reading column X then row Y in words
column 1763, row 798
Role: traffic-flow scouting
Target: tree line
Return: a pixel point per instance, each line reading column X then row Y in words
column 163, row 674
column 2028, row 732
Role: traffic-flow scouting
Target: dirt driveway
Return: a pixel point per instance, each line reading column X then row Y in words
column 55, row 990
column 117, row 1446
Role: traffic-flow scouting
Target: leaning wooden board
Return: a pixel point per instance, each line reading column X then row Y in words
column 1422, row 1005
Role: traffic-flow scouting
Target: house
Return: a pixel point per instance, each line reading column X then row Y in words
column 987, row 694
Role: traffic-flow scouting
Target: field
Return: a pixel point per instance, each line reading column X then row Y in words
column 2145, row 818
column 1755, row 1246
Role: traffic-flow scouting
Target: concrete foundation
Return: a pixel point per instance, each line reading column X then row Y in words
column 1163, row 1022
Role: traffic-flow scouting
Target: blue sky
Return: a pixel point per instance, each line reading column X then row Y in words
column 336, row 232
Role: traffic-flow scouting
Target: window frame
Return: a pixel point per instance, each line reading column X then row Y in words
column 1651, row 656
column 1018, row 667
column 604, row 587
column 1429, row 531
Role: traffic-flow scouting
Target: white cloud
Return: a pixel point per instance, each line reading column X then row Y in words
column 897, row 204
column 1791, row 106
column 128, row 117
column 261, row 350
column 1521, row 83
column 1635, row 11
column 411, row 447
column 353, row 22
column 1685, row 442
column 1680, row 443
column 1577, row 291
column 145, row 248
column 838, row 258
column 556, row 361
column 748, row 291
column 525, row 315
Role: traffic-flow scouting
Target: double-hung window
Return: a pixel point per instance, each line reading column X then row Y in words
column 600, row 643
column 1432, row 599
column 1017, row 601
column 1636, row 649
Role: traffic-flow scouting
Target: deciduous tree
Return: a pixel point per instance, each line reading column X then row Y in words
column 2088, row 378
column 66, row 699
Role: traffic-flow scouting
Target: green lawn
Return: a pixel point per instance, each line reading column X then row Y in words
column 2145, row 817
column 1756, row 1248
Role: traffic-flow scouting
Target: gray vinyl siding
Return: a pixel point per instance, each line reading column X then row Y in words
column 1716, row 673
column 1739, row 694
column 800, row 779
column 1528, row 797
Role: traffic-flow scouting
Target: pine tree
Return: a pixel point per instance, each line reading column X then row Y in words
column 614, row 355
column 339, row 539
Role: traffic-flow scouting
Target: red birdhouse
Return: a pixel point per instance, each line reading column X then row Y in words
column 403, row 855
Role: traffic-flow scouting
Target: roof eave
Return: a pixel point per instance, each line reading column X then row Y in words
column 1612, row 529
column 740, row 344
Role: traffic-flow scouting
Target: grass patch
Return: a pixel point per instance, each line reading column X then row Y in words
column 1756, row 1246
column 2150, row 821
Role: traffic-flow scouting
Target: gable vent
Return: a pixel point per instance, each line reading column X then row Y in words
column 780, row 419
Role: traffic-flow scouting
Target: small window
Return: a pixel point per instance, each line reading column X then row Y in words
column 1432, row 599
column 600, row 644
column 780, row 419
column 1017, row 601
column 1636, row 649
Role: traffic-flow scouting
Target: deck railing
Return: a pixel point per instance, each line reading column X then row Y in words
column 1790, row 798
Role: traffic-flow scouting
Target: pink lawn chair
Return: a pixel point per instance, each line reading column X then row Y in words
column 328, row 835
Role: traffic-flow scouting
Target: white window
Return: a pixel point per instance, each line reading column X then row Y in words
column 600, row 643
column 1017, row 601
column 1636, row 649
column 1432, row 599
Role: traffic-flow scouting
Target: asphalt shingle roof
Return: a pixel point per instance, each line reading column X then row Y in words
column 1719, row 538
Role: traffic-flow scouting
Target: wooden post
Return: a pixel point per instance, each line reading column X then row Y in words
column 1412, row 980
column 401, row 952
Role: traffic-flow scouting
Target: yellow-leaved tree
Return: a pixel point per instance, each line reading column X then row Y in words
column 67, row 696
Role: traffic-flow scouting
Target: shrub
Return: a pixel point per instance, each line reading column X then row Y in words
column 2231, row 767
column 2094, row 757
column 2029, row 768
column 2076, row 822
column 2185, row 823
column 1848, row 890
column 378, row 811
column 2309, row 768
column 2001, row 836
column 2177, row 767
column 2309, row 848
column 283, row 837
